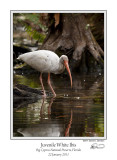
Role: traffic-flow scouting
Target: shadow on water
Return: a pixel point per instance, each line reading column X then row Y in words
column 76, row 112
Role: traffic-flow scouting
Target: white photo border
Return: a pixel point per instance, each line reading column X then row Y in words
column 105, row 74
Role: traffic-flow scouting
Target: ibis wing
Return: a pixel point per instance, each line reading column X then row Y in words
column 42, row 60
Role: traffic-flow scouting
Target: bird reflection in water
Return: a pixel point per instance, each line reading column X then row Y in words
column 47, row 127
column 69, row 125
column 53, row 118
column 49, row 107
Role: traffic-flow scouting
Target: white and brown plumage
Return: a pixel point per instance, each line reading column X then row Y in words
column 46, row 61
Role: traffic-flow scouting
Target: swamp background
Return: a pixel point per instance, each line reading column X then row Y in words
column 76, row 112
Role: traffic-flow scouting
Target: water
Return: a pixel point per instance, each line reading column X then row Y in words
column 75, row 112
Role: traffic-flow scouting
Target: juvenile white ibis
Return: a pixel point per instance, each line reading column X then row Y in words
column 46, row 61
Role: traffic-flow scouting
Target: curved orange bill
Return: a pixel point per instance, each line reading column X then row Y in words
column 67, row 67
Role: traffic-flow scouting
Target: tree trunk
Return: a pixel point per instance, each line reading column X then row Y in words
column 70, row 34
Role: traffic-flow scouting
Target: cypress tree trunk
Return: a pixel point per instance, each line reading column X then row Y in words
column 70, row 34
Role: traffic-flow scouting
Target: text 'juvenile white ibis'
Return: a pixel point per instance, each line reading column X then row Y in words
column 46, row 61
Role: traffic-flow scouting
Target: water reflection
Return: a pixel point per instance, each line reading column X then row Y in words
column 76, row 112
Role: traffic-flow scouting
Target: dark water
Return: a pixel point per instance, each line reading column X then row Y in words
column 76, row 112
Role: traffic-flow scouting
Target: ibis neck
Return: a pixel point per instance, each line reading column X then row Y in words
column 61, row 68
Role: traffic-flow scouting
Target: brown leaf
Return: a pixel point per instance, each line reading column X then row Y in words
column 78, row 106
column 57, row 18
column 19, row 111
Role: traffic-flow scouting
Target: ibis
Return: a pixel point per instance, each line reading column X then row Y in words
column 46, row 61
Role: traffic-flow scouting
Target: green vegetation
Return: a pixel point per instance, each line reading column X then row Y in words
column 34, row 34
column 33, row 25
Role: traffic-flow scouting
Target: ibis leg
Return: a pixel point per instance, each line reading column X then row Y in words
column 44, row 94
column 50, row 85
